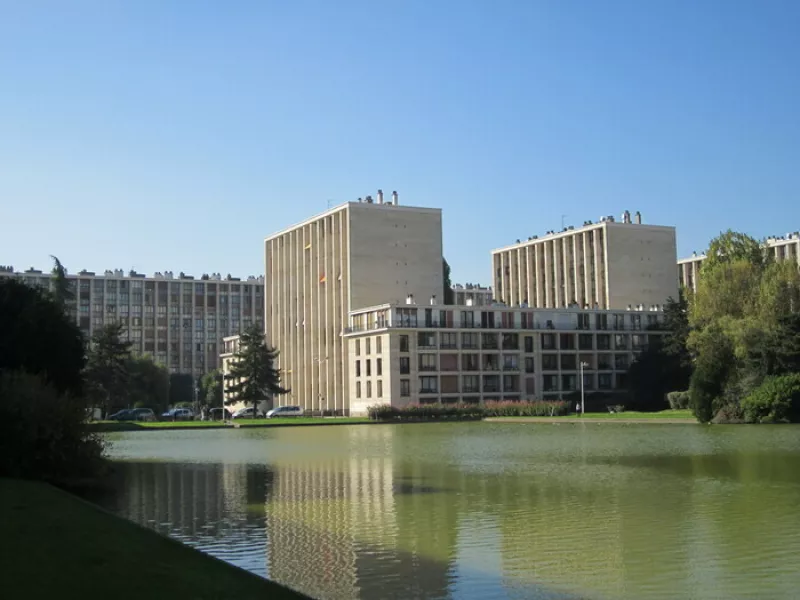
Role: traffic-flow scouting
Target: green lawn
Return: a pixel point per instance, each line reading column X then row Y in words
column 60, row 546
column 632, row 414
column 302, row 421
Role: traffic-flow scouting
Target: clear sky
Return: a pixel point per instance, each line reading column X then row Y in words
column 176, row 135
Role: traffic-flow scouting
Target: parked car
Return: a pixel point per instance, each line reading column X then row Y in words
column 135, row 414
column 285, row 411
column 215, row 414
column 178, row 414
column 247, row 413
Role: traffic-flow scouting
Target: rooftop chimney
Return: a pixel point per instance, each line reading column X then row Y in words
column 395, row 201
column 433, row 300
column 638, row 217
column 380, row 196
column 410, row 299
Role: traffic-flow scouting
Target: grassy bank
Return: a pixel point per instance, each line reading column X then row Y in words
column 58, row 544
column 109, row 426
column 664, row 416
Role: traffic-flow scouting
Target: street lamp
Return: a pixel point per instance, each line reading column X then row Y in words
column 583, row 366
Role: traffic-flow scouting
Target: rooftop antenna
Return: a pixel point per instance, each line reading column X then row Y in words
column 562, row 220
column 331, row 203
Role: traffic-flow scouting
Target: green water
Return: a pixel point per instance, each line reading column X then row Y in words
column 478, row 510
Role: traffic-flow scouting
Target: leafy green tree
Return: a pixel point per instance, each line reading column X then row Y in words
column 733, row 246
column 447, row 293
column 181, row 390
column 61, row 289
column 714, row 364
column 211, row 388
column 253, row 377
column 148, row 383
column 107, row 365
column 37, row 337
column 675, row 342
column 776, row 400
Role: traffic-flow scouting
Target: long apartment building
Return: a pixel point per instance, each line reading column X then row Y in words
column 605, row 265
column 780, row 248
column 178, row 320
column 352, row 256
column 408, row 354
column 472, row 294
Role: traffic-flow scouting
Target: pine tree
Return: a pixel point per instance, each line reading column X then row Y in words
column 62, row 293
column 253, row 377
column 107, row 363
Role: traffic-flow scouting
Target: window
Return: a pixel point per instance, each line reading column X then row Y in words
column 405, row 387
column 638, row 342
column 405, row 365
column 620, row 342
column 604, row 381
column 548, row 341
column 619, row 322
column 529, row 364
column 489, row 341
column 368, row 346
column 621, row 362
column 636, row 322
column 604, row 362
column 471, row 384
column 428, row 385
column 369, row 369
column 469, row 362
column 510, row 383
column 379, row 366
column 358, row 368
column 358, row 347
column 569, row 383
column 403, row 343
column 449, row 340
column 358, row 389
column 510, row 362
column 369, row 389
column 426, row 339
column 568, row 362
column 427, row 362
column 380, row 388
column 601, row 321
column 583, row 321
column 529, row 343
column 469, row 341
column 510, row 341
column 603, row 341
column 567, row 341
column 467, row 319
column 378, row 345
column 549, row 362
column 652, row 321
column 407, row 317
column 491, row 383
column 585, row 341
column 550, row 383
column 491, row 362
column 588, row 382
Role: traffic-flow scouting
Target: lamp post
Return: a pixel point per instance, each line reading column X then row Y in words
column 583, row 366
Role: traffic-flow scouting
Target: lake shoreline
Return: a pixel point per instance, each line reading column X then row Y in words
column 575, row 420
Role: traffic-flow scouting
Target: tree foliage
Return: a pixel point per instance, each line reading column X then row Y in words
column 733, row 246
column 61, row 290
column 107, row 367
column 181, row 390
column 714, row 363
column 253, row 377
column 211, row 388
column 447, row 292
column 776, row 400
column 148, row 384
column 37, row 337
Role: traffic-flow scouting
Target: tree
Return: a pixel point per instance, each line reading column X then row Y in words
column 37, row 337
column 148, row 384
column 211, row 387
column 675, row 342
column 447, row 293
column 732, row 246
column 181, row 389
column 715, row 362
column 253, row 376
column 107, row 365
column 62, row 292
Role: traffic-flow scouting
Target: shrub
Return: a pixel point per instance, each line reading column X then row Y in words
column 728, row 415
column 536, row 408
column 678, row 400
column 417, row 412
column 44, row 433
column 776, row 400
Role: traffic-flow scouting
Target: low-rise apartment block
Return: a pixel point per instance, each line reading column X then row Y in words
column 606, row 265
column 178, row 320
column 780, row 248
column 406, row 354
column 472, row 294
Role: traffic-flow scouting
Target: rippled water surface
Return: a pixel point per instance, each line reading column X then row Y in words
column 477, row 510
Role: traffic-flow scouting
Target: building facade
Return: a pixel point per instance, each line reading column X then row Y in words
column 404, row 354
column 780, row 248
column 472, row 294
column 355, row 255
column 604, row 265
column 178, row 320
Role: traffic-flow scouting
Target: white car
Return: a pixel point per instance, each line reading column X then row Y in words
column 285, row 411
column 247, row 413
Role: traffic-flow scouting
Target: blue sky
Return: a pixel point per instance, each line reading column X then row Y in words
column 177, row 135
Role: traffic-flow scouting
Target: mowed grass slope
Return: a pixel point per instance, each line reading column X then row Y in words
column 55, row 545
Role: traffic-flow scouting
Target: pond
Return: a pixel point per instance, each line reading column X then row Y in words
column 481, row 510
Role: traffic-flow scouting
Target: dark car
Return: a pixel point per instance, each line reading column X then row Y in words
column 215, row 414
column 123, row 415
column 133, row 414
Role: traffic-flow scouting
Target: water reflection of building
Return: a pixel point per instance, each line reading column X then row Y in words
column 352, row 526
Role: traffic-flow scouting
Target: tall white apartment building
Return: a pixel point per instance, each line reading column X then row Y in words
column 472, row 294
column 403, row 354
column 606, row 265
column 178, row 320
column 355, row 255
column 780, row 248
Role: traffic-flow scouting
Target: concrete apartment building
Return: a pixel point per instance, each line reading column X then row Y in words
column 780, row 248
column 604, row 265
column 178, row 320
column 352, row 256
column 472, row 294
column 407, row 354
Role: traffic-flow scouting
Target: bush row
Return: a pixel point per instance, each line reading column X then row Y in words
column 415, row 412
column 678, row 400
